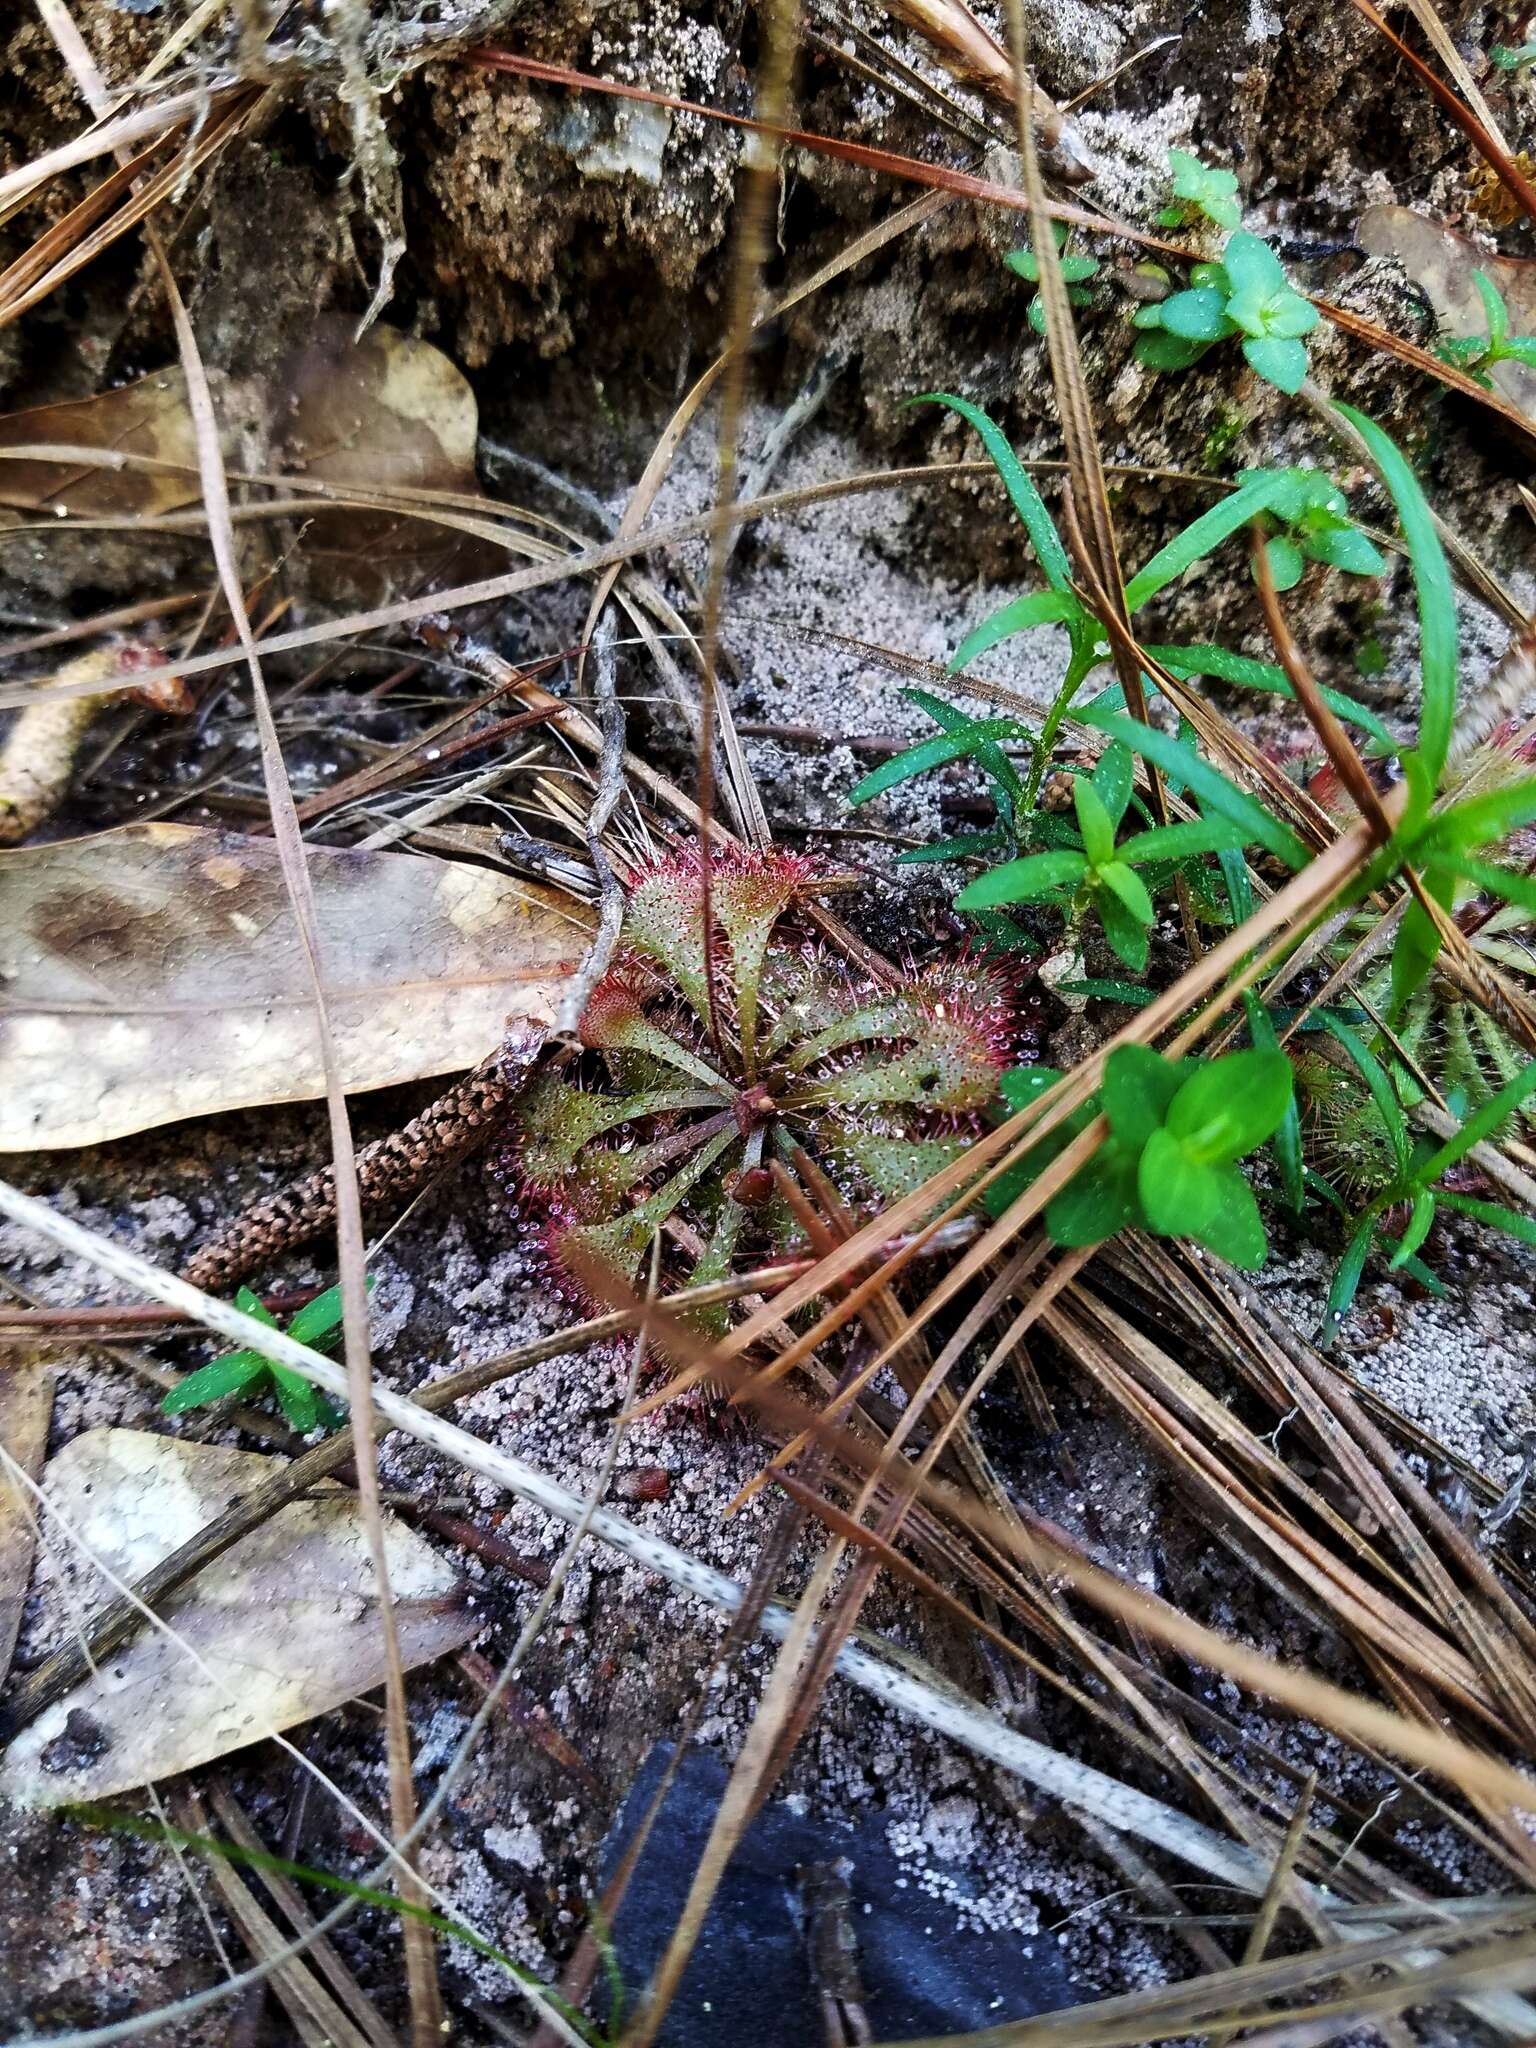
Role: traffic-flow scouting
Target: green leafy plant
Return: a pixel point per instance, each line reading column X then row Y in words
column 1516, row 57
column 1247, row 295
column 317, row 1323
column 1478, row 353
column 1201, row 189
column 1102, row 876
column 1075, row 270
column 1177, row 1130
column 1308, row 516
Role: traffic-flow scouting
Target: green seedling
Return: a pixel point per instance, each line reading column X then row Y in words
column 1201, row 189
column 1245, row 296
column 1477, row 354
column 1075, row 270
column 317, row 1324
column 1102, row 876
column 1177, row 1130
column 1507, row 57
column 1308, row 517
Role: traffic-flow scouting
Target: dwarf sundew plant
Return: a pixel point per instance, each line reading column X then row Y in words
column 706, row 1067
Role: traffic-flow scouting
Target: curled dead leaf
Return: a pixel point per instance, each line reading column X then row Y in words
column 388, row 413
column 155, row 973
column 284, row 1626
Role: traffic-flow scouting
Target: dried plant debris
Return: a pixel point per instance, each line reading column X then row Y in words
column 283, row 1627
column 364, row 419
column 155, row 973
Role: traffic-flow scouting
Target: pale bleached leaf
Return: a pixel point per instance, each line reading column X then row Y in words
column 155, row 973
column 284, row 1626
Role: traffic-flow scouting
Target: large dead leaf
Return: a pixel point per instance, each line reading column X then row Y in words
column 286, row 1622
column 386, row 413
column 1441, row 262
column 155, row 973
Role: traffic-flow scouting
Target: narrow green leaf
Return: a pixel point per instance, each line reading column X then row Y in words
column 1213, row 790
column 1247, row 674
column 253, row 1306
column 1483, row 1122
column 1114, row 777
column 1495, row 312
column 919, row 760
column 1126, row 933
column 1109, row 991
column 1018, row 483
column 1180, row 842
column 1346, row 1282
column 318, row 1318
column 212, row 1382
column 1124, row 883
column 1510, row 1221
column 1093, row 821
column 1418, row 1229
column 1378, row 1082
column 1201, row 537
column 1286, row 1142
column 1022, row 881
column 1439, row 650
column 1481, row 819
column 1039, row 608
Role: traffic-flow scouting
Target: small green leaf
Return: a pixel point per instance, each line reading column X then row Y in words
column 1483, row 1122
column 1124, row 882
column 318, row 1318
column 1231, row 1105
column 1126, row 934
column 1286, row 562
column 1481, row 819
column 1099, row 1200
column 1179, row 1195
column 1235, row 1232
column 1497, row 881
column 1252, row 265
column 1346, row 548
column 212, row 1382
column 1114, row 777
column 1160, row 351
column 1196, row 315
column 1021, row 1086
column 1109, row 991
column 1279, row 361
column 298, row 1400
column 1139, row 1086
column 253, row 1306
column 1026, row 880
column 1094, row 822
column 919, row 760
column 1201, row 537
column 1241, row 669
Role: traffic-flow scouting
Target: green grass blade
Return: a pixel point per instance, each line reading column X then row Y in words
column 1379, row 1084
column 1439, row 645
column 1018, row 483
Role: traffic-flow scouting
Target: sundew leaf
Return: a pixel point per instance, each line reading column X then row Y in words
column 1213, row 789
column 1018, row 483
column 1439, row 648
column 1378, row 1082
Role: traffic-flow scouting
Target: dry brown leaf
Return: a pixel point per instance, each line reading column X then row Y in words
column 26, row 1406
column 388, row 413
column 285, row 1623
column 1441, row 262
column 155, row 973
